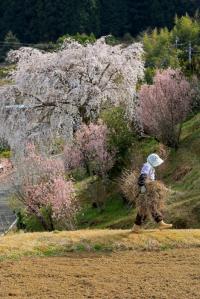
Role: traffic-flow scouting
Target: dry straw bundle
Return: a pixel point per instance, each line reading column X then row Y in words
column 153, row 199
column 129, row 185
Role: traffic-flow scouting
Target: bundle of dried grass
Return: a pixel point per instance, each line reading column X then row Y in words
column 153, row 199
column 129, row 185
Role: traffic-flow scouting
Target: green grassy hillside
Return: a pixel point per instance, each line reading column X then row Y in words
column 181, row 173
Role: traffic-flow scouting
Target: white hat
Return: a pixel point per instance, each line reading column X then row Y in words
column 154, row 160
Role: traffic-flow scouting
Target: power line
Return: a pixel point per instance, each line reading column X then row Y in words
column 23, row 44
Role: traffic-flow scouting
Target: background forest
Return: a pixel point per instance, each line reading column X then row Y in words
column 44, row 20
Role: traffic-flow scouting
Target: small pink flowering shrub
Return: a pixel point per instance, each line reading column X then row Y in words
column 42, row 186
column 164, row 106
column 90, row 150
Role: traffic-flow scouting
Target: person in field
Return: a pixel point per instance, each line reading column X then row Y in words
column 148, row 204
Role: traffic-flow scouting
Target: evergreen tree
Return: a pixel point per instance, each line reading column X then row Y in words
column 43, row 20
column 10, row 42
column 114, row 17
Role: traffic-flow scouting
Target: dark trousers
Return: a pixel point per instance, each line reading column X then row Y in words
column 157, row 216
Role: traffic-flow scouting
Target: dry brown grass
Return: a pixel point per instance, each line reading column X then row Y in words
column 154, row 199
column 129, row 185
column 58, row 243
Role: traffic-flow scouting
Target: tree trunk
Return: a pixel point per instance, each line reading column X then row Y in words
column 43, row 222
column 51, row 223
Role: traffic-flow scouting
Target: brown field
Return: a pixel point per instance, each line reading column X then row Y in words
column 170, row 274
column 101, row 264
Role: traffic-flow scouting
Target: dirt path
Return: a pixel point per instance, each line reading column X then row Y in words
column 127, row 275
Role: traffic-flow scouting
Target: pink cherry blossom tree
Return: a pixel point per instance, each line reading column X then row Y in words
column 41, row 185
column 90, row 149
column 163, row 106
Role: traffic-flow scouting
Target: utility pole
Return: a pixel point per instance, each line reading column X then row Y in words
column 190, row 53
column 176, row 47
column 176, row 42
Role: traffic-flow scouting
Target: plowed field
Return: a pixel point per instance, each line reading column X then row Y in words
column 167, row 274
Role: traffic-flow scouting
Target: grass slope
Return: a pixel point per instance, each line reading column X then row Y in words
column 181, row 173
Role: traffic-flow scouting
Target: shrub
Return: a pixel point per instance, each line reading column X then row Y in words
column 127, row 38
column 5, row 151
column 83, row 38
column 149, row 75
column 120, row 134
column 57, row 146
column 4, row 146
column 112, row 40
column 97, row 192
column 28, row 222
column 6, row 154
column 10, row 42
column 196, row 100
